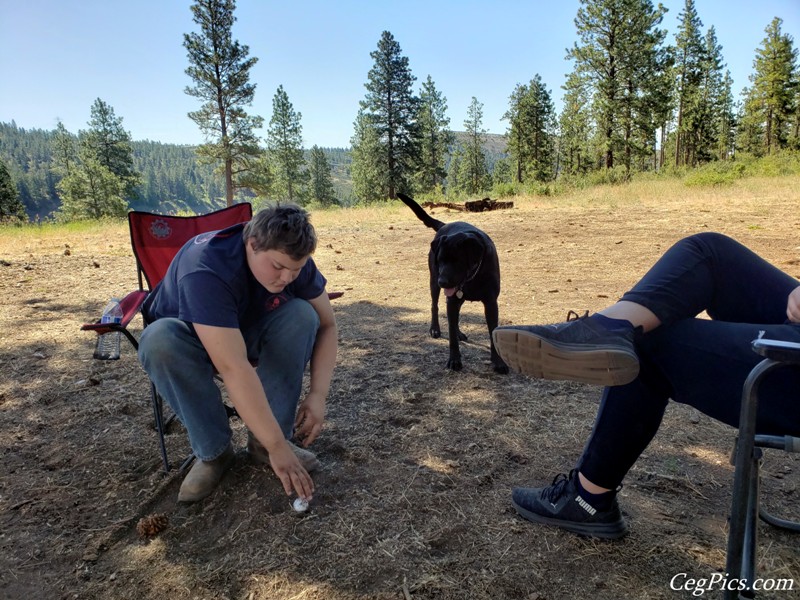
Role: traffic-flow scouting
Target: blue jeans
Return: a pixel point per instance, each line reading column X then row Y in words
column 694, row 361
column 180, row 368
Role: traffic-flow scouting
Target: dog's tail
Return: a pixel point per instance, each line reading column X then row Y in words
column 434, row 224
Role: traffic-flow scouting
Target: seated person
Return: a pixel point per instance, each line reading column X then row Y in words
column 650, row 347
column 250, row 292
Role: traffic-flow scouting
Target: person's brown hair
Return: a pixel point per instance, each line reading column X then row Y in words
column 284, row 227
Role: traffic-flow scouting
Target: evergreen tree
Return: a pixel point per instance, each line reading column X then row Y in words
column 320, row 174
column 108, row 143
column 435, row 138
column 688, row 80
column 575, row 125
column 285, row 148
column 644, row 95
column 726, row 120
column 474, row 175
column 618, row 41
column 11, row 209
column 92, row 191
column 392, row 109
column 64, row 151
column 531, row 117
column 103, row 178
column 220, row 70
column 771, row 102
column 707, row 132
column 370, row 180
column 454, row 183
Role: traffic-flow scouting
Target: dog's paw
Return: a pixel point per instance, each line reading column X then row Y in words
column 462, row 337
column 436, row 333
column 454, row 364
column 502, row 369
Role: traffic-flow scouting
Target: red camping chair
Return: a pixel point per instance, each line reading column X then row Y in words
column 155, row 240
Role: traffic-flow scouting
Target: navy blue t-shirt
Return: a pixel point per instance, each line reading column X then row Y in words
column 209, row 282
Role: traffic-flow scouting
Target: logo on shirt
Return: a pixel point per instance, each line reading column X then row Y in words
column 204, row 237
column 275, row 302
column 160, row 229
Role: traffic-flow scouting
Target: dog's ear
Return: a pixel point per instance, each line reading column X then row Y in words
column 468, row 245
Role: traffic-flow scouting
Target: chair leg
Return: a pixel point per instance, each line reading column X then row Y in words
column 741, row 554
column 158, row 415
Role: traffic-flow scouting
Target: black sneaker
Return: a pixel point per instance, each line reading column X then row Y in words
column 561, row 505
column 577, row 350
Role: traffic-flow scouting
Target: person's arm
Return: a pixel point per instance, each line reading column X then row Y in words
column 227, row 350
column 793, row 306
column 311, row 412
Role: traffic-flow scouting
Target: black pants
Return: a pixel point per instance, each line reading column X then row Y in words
column 699, row 362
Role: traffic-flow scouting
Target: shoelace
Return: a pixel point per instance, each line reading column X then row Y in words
column 573, row 316
column 558, row 487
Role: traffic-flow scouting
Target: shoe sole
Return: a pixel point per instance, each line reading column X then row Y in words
column 531, row 355
column 607, row 531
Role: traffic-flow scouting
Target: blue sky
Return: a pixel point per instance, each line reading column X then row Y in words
column 58, row 56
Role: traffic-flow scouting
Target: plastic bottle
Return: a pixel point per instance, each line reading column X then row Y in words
column 108, row 343
column 112, row 313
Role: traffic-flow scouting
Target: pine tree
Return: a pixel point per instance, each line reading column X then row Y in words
column 367, row 170
column 474, row 175
column 11, row 209
column 110, row 145
column 320, row 175
column 435, row 138
column 285, row 148
column 575, row 126
column 531, row 117
column 99, row 178
column 392, row 109
column 220, row 69
column 688, row 80
column 618, row 39
column 771, row 102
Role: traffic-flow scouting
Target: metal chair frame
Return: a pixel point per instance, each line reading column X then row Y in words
column 740, row 567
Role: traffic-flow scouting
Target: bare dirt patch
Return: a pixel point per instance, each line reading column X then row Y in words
column 419, row 461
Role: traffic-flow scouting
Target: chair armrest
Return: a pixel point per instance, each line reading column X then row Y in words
column 131, row 305
column 788, row 352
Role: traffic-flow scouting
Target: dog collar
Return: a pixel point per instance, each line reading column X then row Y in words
column 460, row 292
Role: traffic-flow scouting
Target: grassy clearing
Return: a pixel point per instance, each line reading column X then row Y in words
column 653, row 191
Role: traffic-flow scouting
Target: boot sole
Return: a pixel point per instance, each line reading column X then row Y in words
column 531, row 355
column 607, row 531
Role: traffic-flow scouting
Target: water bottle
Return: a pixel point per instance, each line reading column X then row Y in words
column 112, row 313
column 107, row 347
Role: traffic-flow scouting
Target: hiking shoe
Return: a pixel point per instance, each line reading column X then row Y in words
column 578, row 349
column 259, row 455
column 561, row 505
column 204, row 476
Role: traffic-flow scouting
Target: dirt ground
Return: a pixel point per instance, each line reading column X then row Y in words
column 419, row 462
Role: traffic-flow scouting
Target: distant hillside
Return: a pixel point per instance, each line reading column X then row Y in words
column 172, row 179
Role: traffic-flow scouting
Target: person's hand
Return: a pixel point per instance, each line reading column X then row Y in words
column 290, row 471
column 793, row 306
column 310, row 417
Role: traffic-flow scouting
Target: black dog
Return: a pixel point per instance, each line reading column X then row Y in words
column 463, row 262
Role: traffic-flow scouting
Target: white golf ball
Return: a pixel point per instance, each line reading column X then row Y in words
column 300, row 505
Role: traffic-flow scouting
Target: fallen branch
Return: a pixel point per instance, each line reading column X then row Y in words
column 471, row 206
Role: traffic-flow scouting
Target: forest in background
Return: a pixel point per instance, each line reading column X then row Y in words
column 634, row 105
column 173, row 181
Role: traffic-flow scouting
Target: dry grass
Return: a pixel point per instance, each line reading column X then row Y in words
column 419, row 461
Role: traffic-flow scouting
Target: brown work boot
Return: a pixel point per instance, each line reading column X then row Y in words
column 204, row 476
column 259, row 455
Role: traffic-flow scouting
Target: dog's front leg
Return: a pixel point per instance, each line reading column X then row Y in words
column 436, row 331
column 453, row 313
column 491, row 313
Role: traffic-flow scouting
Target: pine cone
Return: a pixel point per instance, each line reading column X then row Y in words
column 152, row 525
